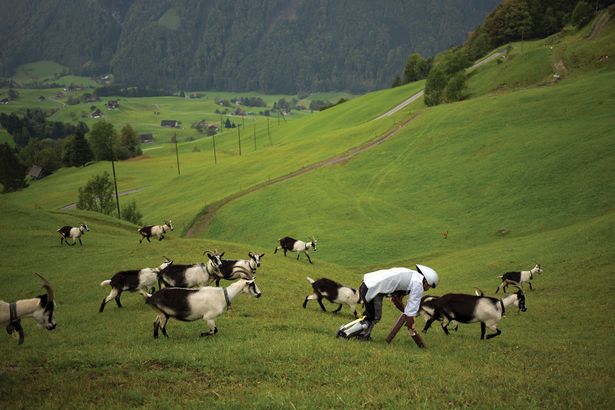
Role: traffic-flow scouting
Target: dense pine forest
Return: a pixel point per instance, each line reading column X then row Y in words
column 271, row 46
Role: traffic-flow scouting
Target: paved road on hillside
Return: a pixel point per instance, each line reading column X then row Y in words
column 419, row 94
column 202, row 222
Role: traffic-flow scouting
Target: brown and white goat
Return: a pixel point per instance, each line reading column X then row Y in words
column 40, row 308
column 518, row 278
column 335, row 293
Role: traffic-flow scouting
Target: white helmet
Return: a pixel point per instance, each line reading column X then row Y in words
column 430, row 275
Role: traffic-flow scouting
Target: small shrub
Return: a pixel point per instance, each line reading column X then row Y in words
column 130, row 213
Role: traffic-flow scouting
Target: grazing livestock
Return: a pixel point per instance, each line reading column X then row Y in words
column 188, row 305
column 188, row 276
column 470, row 308
column 427, row 311
column 242, row 268
column 73, row 232
column 155, row 230
column 293, row 245
column 40, row 308
column 518, row 278
column 335, row 293
column 132, row 281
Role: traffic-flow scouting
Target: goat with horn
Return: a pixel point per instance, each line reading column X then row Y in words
column 40, row 308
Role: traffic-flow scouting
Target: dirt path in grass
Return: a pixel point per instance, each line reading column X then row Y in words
column 202, row 221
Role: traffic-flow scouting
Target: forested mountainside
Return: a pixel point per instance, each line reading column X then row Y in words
column 272, row 46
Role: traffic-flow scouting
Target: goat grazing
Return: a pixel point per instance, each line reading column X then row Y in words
column 335, row 293
column 188, row 305
column 73, row 232
column 132, row 281
column 470, row 308
column 40, row 308
column 155, row 230
column 518, row 278
column 293, row 245
column 188, row 276
column 242, row 268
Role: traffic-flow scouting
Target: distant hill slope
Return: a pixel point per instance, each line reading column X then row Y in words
column 273, row 46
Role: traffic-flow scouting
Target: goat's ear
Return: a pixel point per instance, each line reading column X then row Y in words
column 261, row 255
column 221, row 255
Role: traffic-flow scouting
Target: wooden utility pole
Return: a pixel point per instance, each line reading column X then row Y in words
column 176, row 153
column 268, row 132
column 254, row 129
column 239, row 138
column 117, row 197
column 215, row 158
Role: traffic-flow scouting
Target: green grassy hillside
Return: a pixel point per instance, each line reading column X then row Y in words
column 518, row 176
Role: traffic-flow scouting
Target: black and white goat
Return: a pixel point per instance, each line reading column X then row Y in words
column 242, row 268
column 73, row 232
column 335, row 293
column 428, row 308
column 293, row 245
column 188, row 276
column 155, row 230
column 470, row 308
column 188, row 305
column 132, row 281
column 518, row 278
column 40, row 308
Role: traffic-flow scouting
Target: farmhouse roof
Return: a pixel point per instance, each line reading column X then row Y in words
column 36, row 172
column 146, row 137
column 169, row 123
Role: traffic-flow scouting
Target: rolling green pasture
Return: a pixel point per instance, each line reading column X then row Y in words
column 520, row 176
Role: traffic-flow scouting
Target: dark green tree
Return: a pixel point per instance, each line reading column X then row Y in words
column 479, row 46
column 129, row 140
column 46, row 153
column 582, row 14
column 396, row 83
column 455, row 88
column 130, row 213
column 76, row 151
column 416, row 68
column 12, row 172
column 435, row 86
column 103, row 139
column 97, row 195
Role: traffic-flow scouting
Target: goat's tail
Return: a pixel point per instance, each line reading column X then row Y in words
column 500, row 277
column 105, row 282
column 146, row 295
column 310, row 279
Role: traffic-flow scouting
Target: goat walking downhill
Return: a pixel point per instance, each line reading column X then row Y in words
column 40, row 308
column 335, row 293
column 73, row 232
column 158, row 231
column 293, row 245
column 188, row 305
column 518, row 278
column 188, row 276
column 470, row 308
column 132, row 281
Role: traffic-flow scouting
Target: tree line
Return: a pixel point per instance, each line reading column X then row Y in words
column 512, row 20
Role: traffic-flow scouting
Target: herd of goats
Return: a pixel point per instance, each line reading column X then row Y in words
column 185, row 292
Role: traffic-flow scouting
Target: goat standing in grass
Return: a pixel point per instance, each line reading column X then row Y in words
column 73, row 232
column 188, row 305
column 518, row 278
column 335, row 293
column 132, row 281
column 155, row 230
column 293, row 245
column 188, row 276
column 242, row 268
column 470, row 308
column 40, row 308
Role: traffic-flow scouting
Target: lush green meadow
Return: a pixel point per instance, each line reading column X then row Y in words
column 515, row 175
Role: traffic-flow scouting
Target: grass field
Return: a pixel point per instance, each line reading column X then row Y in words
column 516, row 175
